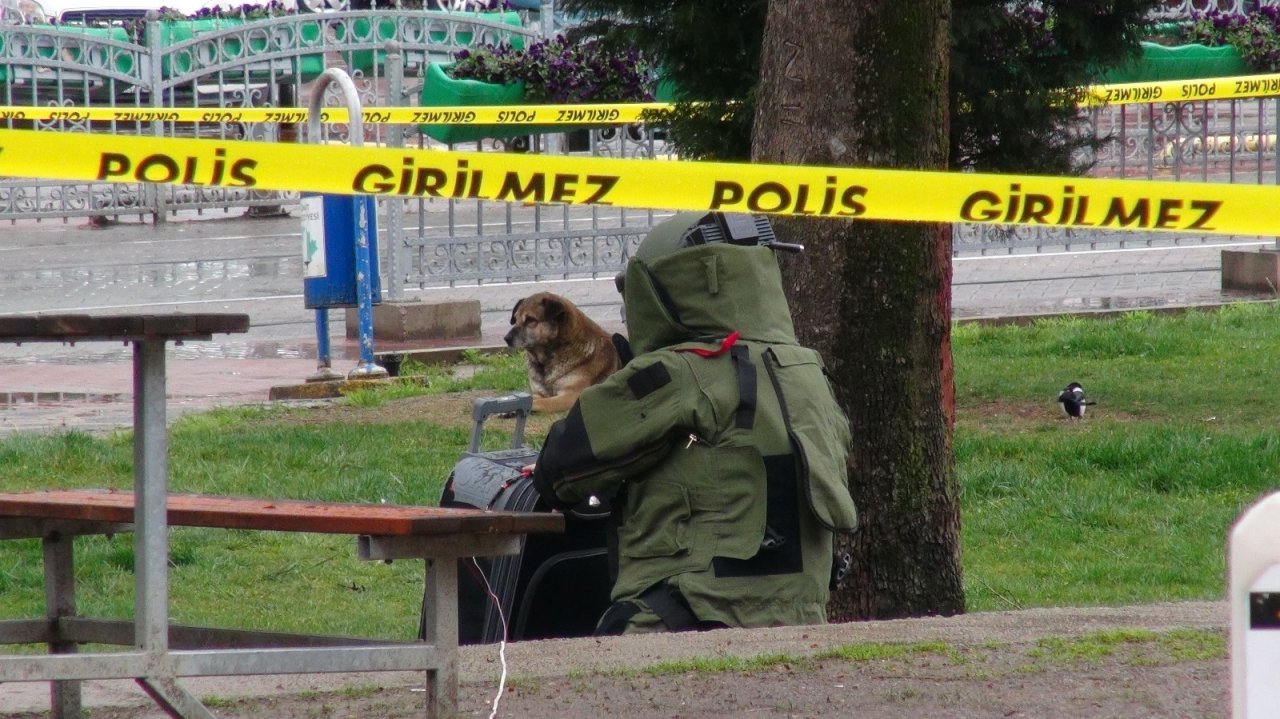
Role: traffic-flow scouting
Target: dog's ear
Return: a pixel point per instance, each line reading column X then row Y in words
column 553, row 310
column 515, row 309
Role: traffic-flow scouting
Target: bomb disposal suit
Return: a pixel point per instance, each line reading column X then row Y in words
column 719, row 445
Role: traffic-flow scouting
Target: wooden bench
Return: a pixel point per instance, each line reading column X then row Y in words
column 384, row 532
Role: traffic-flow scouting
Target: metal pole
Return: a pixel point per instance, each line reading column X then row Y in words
column 60, row 603
column 551, row 141
column 150, row 492
column 364, row 285
column 395, row 257
column 155, row 194
column 364, row 296
column 547, row 14
column 324, row 355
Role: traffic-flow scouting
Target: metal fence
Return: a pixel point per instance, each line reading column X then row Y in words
column 480, row 241
column 225, row 64
column 228, row 64
column 1227, row 141
column 1179, row 10
column 1203, row 141
column 212, row 63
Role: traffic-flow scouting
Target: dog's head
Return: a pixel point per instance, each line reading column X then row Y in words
column 536, row 320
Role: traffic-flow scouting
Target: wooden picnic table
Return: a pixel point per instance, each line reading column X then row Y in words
column 162, row 653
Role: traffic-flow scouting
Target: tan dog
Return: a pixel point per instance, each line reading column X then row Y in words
column 564, row 350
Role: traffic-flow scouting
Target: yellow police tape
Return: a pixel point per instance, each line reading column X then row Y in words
column 1223, row 88
column 732, row 187
column 1214, row 88
column 596, row 114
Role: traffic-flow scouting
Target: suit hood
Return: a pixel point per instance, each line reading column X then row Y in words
column 676, row 294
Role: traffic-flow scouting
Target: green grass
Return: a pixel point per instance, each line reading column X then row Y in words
column 1131, row 505
column 1134, row 646
column 1131, row 646
column 867, row 652
column 255, row 580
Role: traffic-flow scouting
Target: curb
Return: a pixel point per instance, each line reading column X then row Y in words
column 332, row 389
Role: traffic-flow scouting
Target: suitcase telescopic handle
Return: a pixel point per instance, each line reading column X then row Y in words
column 518, row 405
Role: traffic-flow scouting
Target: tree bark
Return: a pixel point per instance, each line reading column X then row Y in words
column 865, row 85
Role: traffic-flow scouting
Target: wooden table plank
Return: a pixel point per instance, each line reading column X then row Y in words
column 189, row 510
column 126, row 328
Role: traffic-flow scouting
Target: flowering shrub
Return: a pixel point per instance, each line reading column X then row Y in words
column 137, row 28
column 1255, row 35
column 1027, row 31
column 275, row 8
column 247, row 11
column 553, row 70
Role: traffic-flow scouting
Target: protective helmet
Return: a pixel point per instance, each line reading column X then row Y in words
column 690, row 229
column 699, row 276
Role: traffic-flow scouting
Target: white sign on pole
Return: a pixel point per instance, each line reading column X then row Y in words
column 313, row 259
column 1254, row 587
column 1262, row 646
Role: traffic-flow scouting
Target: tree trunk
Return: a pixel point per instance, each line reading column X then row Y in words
column 865, row 85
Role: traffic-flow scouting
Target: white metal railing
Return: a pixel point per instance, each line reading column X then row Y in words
column 1175, row 10
column 218, row 64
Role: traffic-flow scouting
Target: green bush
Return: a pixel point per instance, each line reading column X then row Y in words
column 1256, row 35
column 555, row 70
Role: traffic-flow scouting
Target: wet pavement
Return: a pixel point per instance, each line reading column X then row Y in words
column 253, row 265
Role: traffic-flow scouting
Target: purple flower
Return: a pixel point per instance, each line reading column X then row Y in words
column 556, row 71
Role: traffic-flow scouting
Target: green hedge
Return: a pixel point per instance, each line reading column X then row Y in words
column 1181, row 62
column 440, row 90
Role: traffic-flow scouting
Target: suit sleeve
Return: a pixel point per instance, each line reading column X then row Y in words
column 618, row 429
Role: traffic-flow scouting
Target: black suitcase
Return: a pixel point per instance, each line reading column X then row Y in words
column 558, row 585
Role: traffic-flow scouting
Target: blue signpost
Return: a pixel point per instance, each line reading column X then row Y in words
column 340, row 246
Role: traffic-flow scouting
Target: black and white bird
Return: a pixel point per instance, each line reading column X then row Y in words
column 1073, row 401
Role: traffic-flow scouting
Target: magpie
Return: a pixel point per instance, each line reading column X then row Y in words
column 1073, row 401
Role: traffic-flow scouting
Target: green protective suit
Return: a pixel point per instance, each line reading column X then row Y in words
column 720, row 443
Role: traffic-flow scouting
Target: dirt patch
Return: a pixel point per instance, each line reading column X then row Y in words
column 1136, row 662
column 1135, row 680
column 1002, row 682
column 1030, row 413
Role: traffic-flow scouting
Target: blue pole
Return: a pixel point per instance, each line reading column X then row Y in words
column 360, row 218
column 324, row 356
column 324, row 360
column 364, row 289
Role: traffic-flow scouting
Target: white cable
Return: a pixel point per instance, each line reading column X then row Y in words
column 502, row 643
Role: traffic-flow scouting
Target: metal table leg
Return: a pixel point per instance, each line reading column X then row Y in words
column 60, row 601
column 151, row 535
column 441, row 629
column 150, row 490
